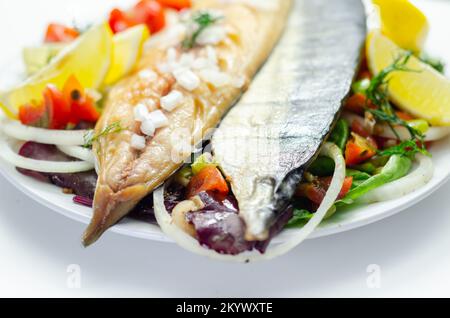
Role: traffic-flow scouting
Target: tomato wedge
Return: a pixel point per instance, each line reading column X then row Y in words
column 209, row 179
column 60, row 33
column 84, row 110
column 151, row 13
column 57, row 107
column 316, row 191
column 31, row 114
column 82, row 106
column 120, row 21
column 359, row 149
column 176, row 4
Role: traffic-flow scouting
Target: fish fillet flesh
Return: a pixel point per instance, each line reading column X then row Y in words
column 127, row 175
column 267, row 141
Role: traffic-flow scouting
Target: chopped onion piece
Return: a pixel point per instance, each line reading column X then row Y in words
column 189, row 243
column 401, row 187
column 138, row 142
column 187, row 79
column 172, row 100
column 16, row 130
column 140, row 112
column 78, row 152
column 158, row 119
column 148, row 128
column 7, row 154
column 215, row 77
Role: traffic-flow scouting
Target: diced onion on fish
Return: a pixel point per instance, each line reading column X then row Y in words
column 10, row 156
column 191, row 244
column 401, row 187
column 78, row 153
column 16, row 130
column 383, row 130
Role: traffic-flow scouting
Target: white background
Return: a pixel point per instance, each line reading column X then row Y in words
column 38, row 245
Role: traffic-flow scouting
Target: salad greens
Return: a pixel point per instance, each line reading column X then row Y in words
column 300, row 218
column 340, row 134
column 322, row 167
column 397, row 167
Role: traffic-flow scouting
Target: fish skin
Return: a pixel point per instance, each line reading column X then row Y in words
column 126, row 175
column 279, row 126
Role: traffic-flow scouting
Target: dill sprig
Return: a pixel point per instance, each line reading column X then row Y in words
column 202, row 20
column 91, row 137
column 408, row 148
column 377, row 94
column 435, row 63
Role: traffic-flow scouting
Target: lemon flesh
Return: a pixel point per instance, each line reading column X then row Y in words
column 35, row 58
column 424, row 92
column 127, row 51
column 403, row 23
column 88, row 58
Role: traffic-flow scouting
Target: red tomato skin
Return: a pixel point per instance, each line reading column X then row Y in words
column 84, row 110
column 210, row 179
column 30, row 114
column 176, row 4
column 120, row 21
column 316, row 192
column 355, row 154
column 59, row 33
column 58, row 108
column 151, row 13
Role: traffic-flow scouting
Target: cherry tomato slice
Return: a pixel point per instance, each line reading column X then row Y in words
column 84, row 110
column 120, row 21
column 359, row 149
column 209, row 179
column 60, row 33
column 57, row 107
column 176, row 4
column 151, row 13
column 31, row 114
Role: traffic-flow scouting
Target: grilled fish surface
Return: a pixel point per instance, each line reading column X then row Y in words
column 127, row 175
column 266, row 141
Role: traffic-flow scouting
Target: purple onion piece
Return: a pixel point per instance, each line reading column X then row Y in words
column 220, row 228
column 83, row 201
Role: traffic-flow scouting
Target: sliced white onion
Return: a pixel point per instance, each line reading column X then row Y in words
column 78, row 153
column 189, row 243
column 16, row 130
column 401, row 187
column 7, row 154
column 383, row 130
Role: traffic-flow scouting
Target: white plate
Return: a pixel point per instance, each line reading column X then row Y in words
column 53, row 198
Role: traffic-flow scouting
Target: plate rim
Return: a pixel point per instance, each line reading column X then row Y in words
column 153, row 232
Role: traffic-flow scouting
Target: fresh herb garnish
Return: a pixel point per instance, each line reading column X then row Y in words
column 300, row 218
column 435, row 63
column 408, row 148
column 377, row 94
column 200, row 20
column 91, row 137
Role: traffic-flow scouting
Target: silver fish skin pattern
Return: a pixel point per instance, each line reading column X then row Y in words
column 269, row 138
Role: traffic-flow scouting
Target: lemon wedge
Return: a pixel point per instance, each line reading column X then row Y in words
column 35, row 58
column 423, row 92
column 403, row 23
column 127, row 50
column 88, row 58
